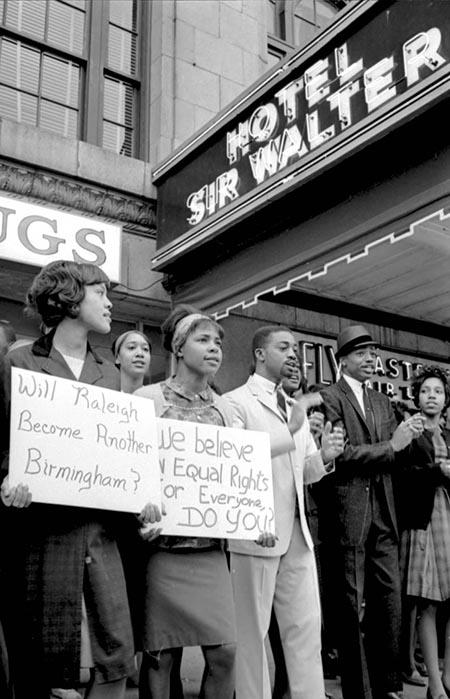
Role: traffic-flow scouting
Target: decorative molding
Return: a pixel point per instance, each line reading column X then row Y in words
column 55, row 190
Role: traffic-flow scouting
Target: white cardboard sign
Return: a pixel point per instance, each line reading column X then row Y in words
column 216, row 481
column 77, row 444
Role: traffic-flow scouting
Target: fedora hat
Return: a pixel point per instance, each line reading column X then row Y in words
column 352, row 337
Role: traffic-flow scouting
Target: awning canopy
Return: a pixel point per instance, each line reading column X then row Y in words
column 404, row 272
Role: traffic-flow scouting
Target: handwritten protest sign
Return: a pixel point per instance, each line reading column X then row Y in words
column 77, row 444
column 216, row 481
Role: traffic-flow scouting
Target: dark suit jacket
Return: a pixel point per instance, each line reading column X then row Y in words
column 418, row 481
column 364, row 458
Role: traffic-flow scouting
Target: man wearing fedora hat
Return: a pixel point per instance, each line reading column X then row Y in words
column 366, row 528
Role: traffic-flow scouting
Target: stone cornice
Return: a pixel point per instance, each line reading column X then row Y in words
column 59, row 191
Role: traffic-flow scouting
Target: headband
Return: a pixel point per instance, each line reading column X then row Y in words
column 183, row 328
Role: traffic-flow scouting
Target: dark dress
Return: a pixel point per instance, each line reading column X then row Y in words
column 188, row 599
column 57, row 554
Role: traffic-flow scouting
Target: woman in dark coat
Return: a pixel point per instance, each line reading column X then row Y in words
column 67, row 585
column 425, row 511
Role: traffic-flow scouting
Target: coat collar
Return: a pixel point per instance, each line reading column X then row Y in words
column 262, row 395
column 54, row 363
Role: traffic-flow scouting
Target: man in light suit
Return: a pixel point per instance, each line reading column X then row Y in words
column 280, row 570
column 365, row 522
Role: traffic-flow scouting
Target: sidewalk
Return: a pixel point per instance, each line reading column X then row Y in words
column 192, row 668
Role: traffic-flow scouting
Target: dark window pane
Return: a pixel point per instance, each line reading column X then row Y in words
column 18, row 106
column 121, row 50
column 117, row 138
column 123, row 13
column 26, row 16
column 66, row 27
column 19, row 65
column 118, row 102
column 57, row 118
column 60, row 80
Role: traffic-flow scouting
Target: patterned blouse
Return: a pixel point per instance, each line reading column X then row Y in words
column 192, row 407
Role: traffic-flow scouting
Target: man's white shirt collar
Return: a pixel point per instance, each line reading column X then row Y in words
column 265, row 384
column 357, row 389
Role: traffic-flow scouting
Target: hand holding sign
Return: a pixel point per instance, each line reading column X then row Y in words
column 16, row 496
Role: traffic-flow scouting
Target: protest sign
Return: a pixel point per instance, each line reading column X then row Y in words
column 77, row 444
column 216, row 481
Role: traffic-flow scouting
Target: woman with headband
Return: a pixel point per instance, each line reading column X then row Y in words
column 69, row 606
column 132, row 355
column 189, row 599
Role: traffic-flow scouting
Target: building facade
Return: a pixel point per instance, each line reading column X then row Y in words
column 115, row 113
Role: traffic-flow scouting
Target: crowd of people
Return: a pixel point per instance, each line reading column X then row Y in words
column 85, row 590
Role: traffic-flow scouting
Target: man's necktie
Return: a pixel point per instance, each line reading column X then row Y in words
column 369, row 413
column 281, row 403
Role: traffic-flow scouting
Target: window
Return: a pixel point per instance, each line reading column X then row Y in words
column 294, row 23
column 71, row 66
column 120, row 85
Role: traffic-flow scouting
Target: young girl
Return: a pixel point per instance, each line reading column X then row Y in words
column 188, row 592
column 132, row 355
column 68, row 594
column 426, row 512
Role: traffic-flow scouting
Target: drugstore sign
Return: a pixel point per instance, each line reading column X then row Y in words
column 36, row 235
column 393, row 370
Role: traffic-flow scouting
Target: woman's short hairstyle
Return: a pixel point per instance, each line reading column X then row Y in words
column 429, row 371
column 180, row 312
column 58, row 290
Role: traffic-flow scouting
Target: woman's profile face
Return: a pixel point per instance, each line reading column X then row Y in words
column 202, row 350
column 432, row 396
column 95, row 309
column 134, row 355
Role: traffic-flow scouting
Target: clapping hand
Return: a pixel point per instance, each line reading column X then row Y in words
column 300, row 408
column 316, row 424
column 332, row 442
column 406, row 431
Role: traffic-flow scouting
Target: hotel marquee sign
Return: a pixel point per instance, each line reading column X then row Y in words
column 326, row 100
